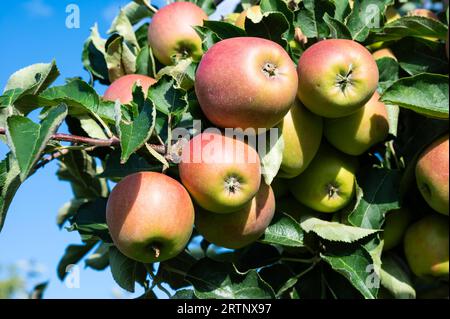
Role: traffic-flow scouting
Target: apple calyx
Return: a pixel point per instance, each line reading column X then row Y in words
column 332, row 191
column 232, row 184
column 156, row 250
column 343, row 81
column 270, row 69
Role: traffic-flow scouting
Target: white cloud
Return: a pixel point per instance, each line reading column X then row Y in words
column 38, row 8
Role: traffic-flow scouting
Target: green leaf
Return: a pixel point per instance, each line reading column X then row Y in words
column 426, row 94
column 184, row 294
column 388, row 70
column 72, row 255
column 310, row 18
column 272, row 26
column 342, row 10
column 412, row 26
column 99, row 259
column 9, row 184
column 183, row 72
column 334, row 231
column 255, row 256
column 145, row 62
column 34, row 78
column 281, row 6
column 167, row 98
column 120, row 59
column 224, row 30
column 338, row 30
column 126, row 271
column 172, row 271
column 272, row 157
column 356, row 266
column 209, row 6
column 212, row 279
column 380, row 190
column 93, row 56
column 208, row 37
column 135, row 133
column 122, row 26
column 90, row 221
column 68, row 210
column 367, row 15
column 395, row 279
column 284, row 231
column 80, row 169
column 27, row 140
column 114, row 169
column 136, row 11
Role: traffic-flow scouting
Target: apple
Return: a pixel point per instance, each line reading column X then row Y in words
column 231, row 18
column 240, row 228
column 328, row 184
column 246, row 82
column 122, row 88
column 171, row 33
column 253, row 10
column 302, row 132
column 395, row 224
column 432, row 175
column 150, row 217
column 391, row 14
column 356, row 133
column 384, row 53
column 423, row 13
column 426, row 246
column 221, row 173
column 336, row 77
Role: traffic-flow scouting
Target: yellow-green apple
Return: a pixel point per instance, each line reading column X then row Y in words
column 246, row 82
column 336, row 77
column 384, row 53
column 395, row 224
column 426, row 246
column 302, row 132
column 221, row 173
column 253, row 10
column 356, row 133
column 328, row 184
column 432, row 175
column 240, row 228
column 171, row 33
column 122, row 88
column 150, row 217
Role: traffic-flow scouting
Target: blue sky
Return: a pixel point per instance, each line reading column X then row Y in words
column 34, row 31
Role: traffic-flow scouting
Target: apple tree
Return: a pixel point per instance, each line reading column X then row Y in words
column 343, row 240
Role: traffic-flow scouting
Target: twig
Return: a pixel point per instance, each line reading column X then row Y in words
column 157, row 282
column 149, row 6
column 47, row 159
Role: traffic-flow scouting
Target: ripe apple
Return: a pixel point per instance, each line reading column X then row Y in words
column 432, row 175
column 426, row 246
column 423, row 13
column 336, row 77
column 222, row 174
column 395, row 225
column 253, row 10
column 150, row 217
column 238, row 229
column 384, row 53
column 122, row 88
column 302, row 132
column 246, row 82
column 171, row 33
column 356, row 133
column 328, row 184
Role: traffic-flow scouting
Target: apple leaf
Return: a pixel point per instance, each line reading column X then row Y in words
column 68, row 210
column 184, row 294
column 310, row 18
column 99, row 259
column 216, row 280
column 72, row 255
column 342, row 10
column 93, row 56
column 209, row 6
column 366, row 15
column 9, row 184
column 120, row 59
column 334, row 231
column 338, row 30
column 388, row 69
column 136, row 11
column 183, row 72
column 356, row 266
column 284, row 231
column 255, row 256
column 122, row 26
column 395, row 279
column 135, row 133
column 171, row 271
column 27, row 140
column 224, row 30
column 412, row 26
column 145, row 62
column 114, row 169
column 273, row 26
column 272, row 156
column 126, row 271
column 379, row 190
column 268, row 6
column 426, row 94
column 167, row 98
column 209, row 38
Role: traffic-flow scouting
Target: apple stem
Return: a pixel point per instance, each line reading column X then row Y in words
column 156, row 250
